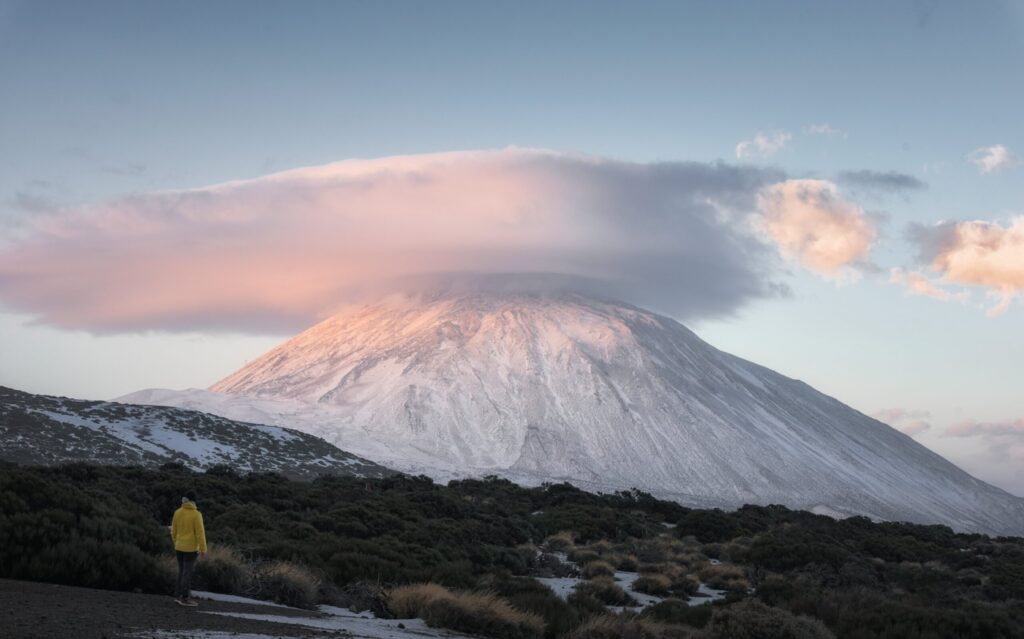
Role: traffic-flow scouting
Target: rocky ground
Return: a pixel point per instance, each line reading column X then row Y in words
column 31, row 610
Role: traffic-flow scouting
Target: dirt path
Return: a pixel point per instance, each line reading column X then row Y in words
column 30, row 610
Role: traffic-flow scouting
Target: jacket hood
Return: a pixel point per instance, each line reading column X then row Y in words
column 188, row 506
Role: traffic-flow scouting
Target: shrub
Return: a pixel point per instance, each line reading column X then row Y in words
column 678, row 611
column 605, row 590
column 686, row 584
column 602, row 547
column 167, row 566
column 550, row 565
column 598, row 569
column 652, row 584
column 725, row 577
column 628, row 627
column 224, row 570
column 288, row 584
column 627, row 563
column 752, row 619
column 669, row 569
column 586, row 603
column 583, row 557
column 560, row 542
column 559, row 616
column 473, row 612
column 407, row 602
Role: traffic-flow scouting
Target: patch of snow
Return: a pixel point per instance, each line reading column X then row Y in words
column 193, row 633
column 565, row 586
column 821, row 509
column 625, row 581
column 706, row 595
column 216, row 596
column 561, row 586
column 362, row 625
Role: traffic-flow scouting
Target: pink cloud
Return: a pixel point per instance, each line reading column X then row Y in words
column 276, row 253
column 972, row 428
column 1003, row 439
column 978, row 253
column 918, row 284
column 811, row 223
column 915, row 427
column 910, row 422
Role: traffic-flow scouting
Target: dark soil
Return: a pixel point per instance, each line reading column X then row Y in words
column 36, row 610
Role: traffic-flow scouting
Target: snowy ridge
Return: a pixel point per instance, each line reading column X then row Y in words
column 604, row 395
column 52, row 430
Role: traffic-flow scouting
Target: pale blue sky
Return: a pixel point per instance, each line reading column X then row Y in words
column 103, row 99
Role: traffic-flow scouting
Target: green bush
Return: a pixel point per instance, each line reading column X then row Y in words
column 107, row 527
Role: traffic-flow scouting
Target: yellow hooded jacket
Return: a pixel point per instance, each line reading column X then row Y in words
column 187, row 530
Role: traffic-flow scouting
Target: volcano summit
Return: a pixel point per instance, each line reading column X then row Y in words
column 597, row 393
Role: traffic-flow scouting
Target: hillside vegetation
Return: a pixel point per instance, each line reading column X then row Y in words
column 462, row 555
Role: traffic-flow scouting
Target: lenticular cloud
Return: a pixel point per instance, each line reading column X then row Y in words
column 276, row 253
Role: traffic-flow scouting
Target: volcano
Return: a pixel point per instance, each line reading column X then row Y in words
column 601, row 394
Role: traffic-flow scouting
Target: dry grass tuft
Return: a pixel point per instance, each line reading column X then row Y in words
column 407, row 602
column 725, row 577
column 602, row 547
column 224, row 570
column 653, row 584
column 629, row 627
column 560, row 542
column 480, row 613
column 598, row 569
column 626, row 562
column 288, row 584
column 605, row 590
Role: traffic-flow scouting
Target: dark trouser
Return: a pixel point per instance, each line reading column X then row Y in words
column 186, row 563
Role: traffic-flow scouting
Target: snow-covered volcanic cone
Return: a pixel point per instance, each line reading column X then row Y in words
column 601, row 394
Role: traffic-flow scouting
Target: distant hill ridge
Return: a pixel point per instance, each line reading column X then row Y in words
column 40, row 429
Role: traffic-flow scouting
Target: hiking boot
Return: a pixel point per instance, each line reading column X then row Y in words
column 191, row 603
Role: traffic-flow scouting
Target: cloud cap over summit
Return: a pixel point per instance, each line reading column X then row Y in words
column 276, row 253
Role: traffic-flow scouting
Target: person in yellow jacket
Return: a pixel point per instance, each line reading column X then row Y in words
column 189, row 539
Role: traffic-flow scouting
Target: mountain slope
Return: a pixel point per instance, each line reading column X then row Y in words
column 39, row 429
column 601, row 394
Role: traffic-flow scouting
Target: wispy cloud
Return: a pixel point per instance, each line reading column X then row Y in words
column 826, row 130
column 976, row 253
column 1004, row 439
column 993, row 159
column 278, row 252
column 973, row 428
column 33, row 203
column 811, row 223
column 881, row 181
column 128, row 169
column 763, row 145
column 917, row 284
